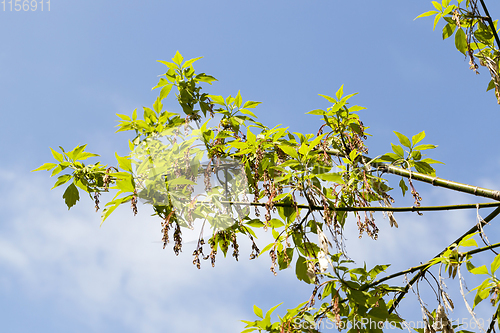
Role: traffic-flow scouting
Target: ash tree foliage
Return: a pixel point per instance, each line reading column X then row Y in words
column 217, row 166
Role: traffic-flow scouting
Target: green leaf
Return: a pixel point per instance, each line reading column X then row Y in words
column 165, row 91
column 340, row 92
column 470, row 242
column 271, row 310
column 479, row 270
column 45, row 166
column 491, row 85
column 398, row 150
column 180, row 181
column 61, row 180
column 429, row 13
column 255, row 223
column 328, row 98
column 317, row 112
column 416, row 155
column 250, row 104
column 437, row 5
column 356, row 108
column 448, row 30
column 84, row 155
column 461, row 41
column 424, row 147
column 158, row 106
column 483, row 292
column 290, row 151
column 403, row 186
column 424, row 168
column 417, row 138
column 205, row 78
column 238, row 100
column 113, row 205
column 275, row 223
column 190, row 62
column 168, row 64
column 495, row 264
column 403, row 139
column 57, row 156
column 301, row 270
column 431, row 161
column 124, row 163
column 389, row 157
column 71, row 195
column 258, row 311
column 124, row 117
column 177, row 58
column 247, row 112
column 217, row 100
column 331, row 177
column 436, row 20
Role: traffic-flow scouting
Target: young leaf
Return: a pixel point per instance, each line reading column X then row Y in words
column 448, row 30
column 250, row 104
column 271, row 310
column 301, row 270
column 178, row 58
column 290, row 151
column 424, row 168
column 417, row 138
column 429, row 13
column 437, row 5
column 461, row 41
column 258, row 311
column 403, row 186
column 61, row 180
column 403, row 139
column 431, row 161
column 190, row 62
column 45, row 166
column 331, row 177
column 495, row 264
column 238, row 100
column 71, row 195
column 328, row 98
column 479, row 270
column 57, row 156
column 436, row 20
column 165, row 91
column 424, row 147
column 398, row 150
column 340, row 92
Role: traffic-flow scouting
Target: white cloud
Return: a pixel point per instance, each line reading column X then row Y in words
column 117, row 271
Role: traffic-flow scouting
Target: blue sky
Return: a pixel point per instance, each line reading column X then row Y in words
column 65, row 73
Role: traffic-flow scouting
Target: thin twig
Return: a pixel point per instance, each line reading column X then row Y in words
column 487, row 219
column 367, row 209
column 490, row 21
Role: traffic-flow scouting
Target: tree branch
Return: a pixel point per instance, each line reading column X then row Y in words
column 490, row 21
column 436, row 181
column 369, row 209
column 419, row 267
